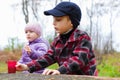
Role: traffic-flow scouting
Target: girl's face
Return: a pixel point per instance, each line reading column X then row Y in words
column 62, row 24
column 31, row 35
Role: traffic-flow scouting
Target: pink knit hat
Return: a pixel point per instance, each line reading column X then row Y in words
column 35, row 27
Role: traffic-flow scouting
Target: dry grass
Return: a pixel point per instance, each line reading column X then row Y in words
column 5, row 55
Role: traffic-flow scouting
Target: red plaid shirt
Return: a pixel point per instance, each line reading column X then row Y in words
column 74, row 57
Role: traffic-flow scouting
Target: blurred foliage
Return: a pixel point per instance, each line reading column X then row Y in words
column 3, row 67
column 109, row 65
column 13, row 44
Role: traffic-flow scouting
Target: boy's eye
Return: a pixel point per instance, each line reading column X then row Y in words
column 58, row 19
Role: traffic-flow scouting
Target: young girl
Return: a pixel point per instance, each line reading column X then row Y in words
column 71, row 49
column 36, row 46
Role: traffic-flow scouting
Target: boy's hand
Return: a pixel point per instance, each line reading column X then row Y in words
column 21, row 67
column 50, row 72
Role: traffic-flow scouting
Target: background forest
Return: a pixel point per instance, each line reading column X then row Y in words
column 100, row 19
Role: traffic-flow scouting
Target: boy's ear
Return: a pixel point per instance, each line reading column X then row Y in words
column 71, row 24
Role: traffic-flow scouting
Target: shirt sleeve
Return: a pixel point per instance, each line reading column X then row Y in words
column 39, row 50
column 42, row 62
column 24, row 58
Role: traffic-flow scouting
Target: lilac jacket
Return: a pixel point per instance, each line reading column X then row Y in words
column 39, row 47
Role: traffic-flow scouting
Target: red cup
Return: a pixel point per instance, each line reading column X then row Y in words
column 11, row 66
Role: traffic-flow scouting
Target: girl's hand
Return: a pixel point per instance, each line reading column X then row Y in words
column 21, row 67
column 27, row 48
column 50, row 72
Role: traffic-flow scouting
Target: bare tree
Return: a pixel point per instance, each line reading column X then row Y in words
column 114, row 5
column 25, row 10
column 30, row 4
column 35, row 8
column 98, row 10
column 94, row 30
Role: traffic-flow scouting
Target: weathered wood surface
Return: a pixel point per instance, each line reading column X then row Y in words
column 21, row 76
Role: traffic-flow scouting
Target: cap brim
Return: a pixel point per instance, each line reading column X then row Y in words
column 54, row 12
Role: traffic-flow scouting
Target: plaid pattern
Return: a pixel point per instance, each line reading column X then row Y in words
column 74, row 57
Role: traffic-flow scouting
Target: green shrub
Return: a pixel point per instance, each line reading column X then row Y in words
column 109, row 66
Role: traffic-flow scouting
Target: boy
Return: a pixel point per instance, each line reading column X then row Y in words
column 71, row 49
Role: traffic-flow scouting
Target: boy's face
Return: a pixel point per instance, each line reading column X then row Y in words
column 62, row 24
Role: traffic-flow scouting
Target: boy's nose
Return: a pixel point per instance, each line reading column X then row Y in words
column 54, row 23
